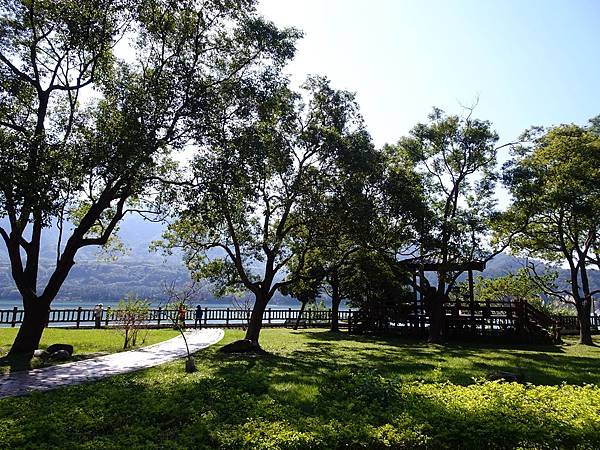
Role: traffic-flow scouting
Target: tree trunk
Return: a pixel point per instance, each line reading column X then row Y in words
column 30, row 332
column 435, row 309
column 255, row 323
column 336, row 299
column 583, row 316
column 300, row 315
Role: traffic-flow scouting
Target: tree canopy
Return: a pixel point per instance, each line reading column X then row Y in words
column 263, row 184
column 86, row 135
column 554, row 179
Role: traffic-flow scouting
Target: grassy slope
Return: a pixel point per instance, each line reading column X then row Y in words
column 319, row 390
column 86, row 342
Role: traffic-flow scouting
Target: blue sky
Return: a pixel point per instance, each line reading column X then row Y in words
column 530, row 62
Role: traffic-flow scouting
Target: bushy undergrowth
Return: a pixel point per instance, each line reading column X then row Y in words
column 300, row 398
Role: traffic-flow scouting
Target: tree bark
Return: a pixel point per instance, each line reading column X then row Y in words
column 300, row 315
column 30, row 332
column 255, row 323
column 435, row 308
column 584, row 310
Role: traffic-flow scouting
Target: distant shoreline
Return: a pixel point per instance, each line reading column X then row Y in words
column 73, row 304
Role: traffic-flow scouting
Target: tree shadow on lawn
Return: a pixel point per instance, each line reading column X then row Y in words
column 414, row 342
column 19, row 363
column 303, row 390
column 200, row 411
column 456, row 362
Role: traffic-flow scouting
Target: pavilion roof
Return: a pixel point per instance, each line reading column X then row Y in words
column 434, row 263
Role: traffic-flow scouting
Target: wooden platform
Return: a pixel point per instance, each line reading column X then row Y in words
column 518, row 321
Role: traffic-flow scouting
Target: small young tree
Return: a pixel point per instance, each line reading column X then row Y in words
column 305, row 290
column 181, row 300
column 243, row 303
column 130, row 313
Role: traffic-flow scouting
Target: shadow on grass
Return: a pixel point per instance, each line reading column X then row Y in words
column 457, row 362
column 326, row 386
column 19, row 363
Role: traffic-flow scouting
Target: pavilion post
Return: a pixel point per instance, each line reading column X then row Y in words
column 421, row 296
column 472, row 302
column 416, row 302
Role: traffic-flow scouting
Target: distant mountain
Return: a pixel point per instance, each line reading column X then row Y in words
column 93, row 278
column 504, row 264
column 144, row 272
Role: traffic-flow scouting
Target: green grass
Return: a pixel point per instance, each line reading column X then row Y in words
column 87, row 343
column 321, row 390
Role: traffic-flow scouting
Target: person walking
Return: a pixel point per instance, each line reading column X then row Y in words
column 181, row 315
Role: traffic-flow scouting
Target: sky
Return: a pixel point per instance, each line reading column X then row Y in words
column 529, row 62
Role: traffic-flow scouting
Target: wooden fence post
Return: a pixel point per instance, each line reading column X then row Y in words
column 269, row 316
column 205, row 316
column 310, row 317
column 158, row 316
column 227, row 319
column 14, row 317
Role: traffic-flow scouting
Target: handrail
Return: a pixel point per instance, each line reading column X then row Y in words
column 199, row 315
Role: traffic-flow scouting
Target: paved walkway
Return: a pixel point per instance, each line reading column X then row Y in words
column 20, row 383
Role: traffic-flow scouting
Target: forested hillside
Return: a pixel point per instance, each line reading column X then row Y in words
column 96, row 278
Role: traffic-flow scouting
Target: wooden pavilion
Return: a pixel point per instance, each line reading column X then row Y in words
column 462, row 317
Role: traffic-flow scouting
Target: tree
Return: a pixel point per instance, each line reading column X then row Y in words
column 554, row 179
column 259, row 187
column 305, row 290
column 131, row 313
column 380, row 292
column 375, row 205
column 85, row 136
column 181, row 300
column 456, row 157
column 521, row 285
column 349, row 213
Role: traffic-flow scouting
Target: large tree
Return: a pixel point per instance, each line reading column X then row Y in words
column 376, row 204
column 456, row 157
column 84, row 135
column 261, row 185
column 554, row 179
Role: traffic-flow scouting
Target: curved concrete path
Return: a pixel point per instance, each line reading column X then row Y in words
column 21, row 383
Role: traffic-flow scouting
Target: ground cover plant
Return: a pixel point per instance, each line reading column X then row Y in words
column 86, row 343
column 317, row 389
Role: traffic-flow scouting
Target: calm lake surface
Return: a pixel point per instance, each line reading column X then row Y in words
column 69, row 304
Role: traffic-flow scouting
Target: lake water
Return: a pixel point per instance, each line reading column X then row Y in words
column 73, row 304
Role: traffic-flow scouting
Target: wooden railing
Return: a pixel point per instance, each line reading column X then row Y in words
column 466, row 318
column 161, row 317
column 571, row 323
column 478, row 317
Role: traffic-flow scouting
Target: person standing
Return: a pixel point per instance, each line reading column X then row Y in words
column 98, row 315
column 198, row 317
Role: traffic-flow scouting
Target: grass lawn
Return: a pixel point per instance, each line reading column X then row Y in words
column 321, row 390
column 86, row 342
